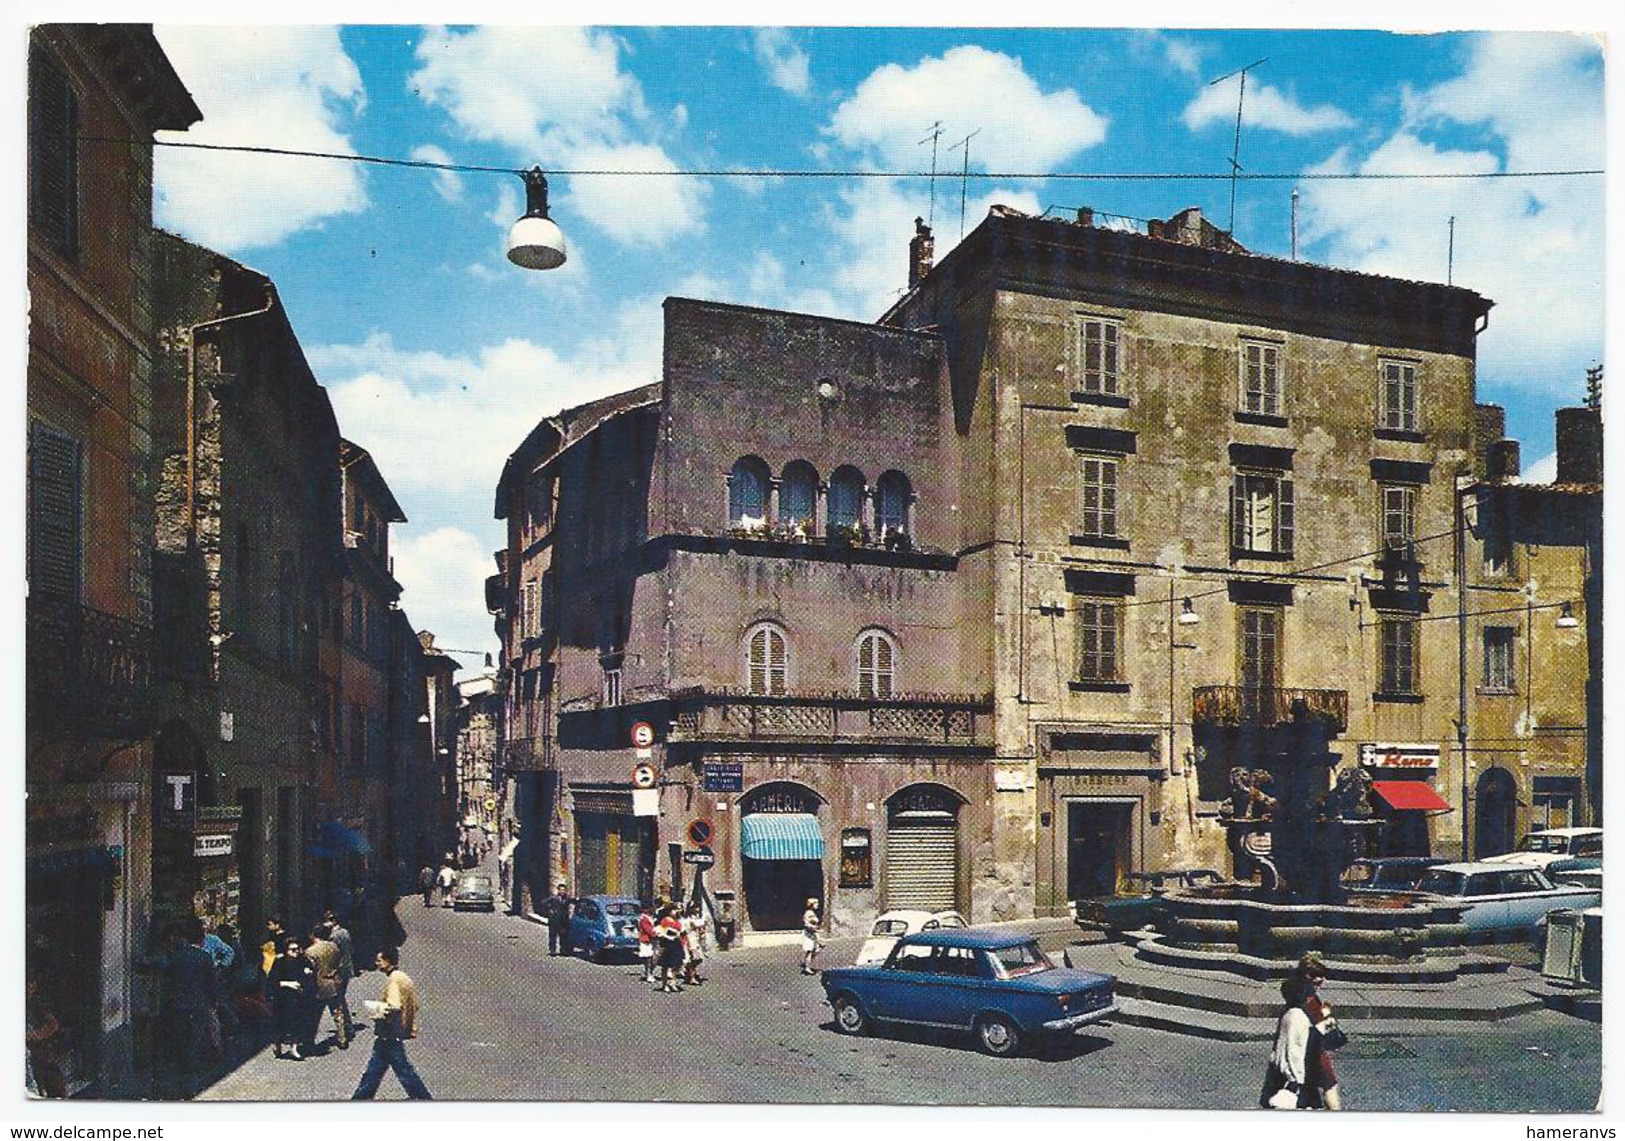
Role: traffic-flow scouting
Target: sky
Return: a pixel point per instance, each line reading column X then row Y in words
column 440, row 356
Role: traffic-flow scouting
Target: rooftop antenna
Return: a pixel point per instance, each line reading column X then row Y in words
column 964, row 176
column 1594, row 387
column 1450, row 256
column 1294, row 223
column 936, row 133
column 1235, row 154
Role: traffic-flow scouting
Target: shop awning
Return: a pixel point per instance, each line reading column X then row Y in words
column 1410, row 795
column 781, row 836
column 334, row 841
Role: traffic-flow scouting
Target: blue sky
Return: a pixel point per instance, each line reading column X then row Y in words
column 440, row 356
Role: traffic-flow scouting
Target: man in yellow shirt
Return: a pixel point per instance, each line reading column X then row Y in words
column 395, row 1019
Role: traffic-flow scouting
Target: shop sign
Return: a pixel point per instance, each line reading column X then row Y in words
column 723, row 776
column 177, row 799
column 1410, row 757
column 212, row 844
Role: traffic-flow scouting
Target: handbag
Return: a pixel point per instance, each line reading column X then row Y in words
column 1332, row 1036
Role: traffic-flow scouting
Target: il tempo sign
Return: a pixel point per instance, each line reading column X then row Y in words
column 1384, row 755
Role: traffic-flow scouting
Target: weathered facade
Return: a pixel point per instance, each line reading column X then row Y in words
column 89, row 725
column 478, row 721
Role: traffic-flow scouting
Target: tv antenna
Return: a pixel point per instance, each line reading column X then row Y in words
column 964, row 176
column 936, row 133
column 1235, row 153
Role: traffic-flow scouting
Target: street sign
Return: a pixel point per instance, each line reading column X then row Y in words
column 644, row 776
column 723, row 776
column 490, row 804
column 643, row 735
column 176, row 793
column 699, row 832
column 645, row 802
column 699, row 857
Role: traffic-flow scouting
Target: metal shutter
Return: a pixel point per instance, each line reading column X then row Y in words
column 922, row 862
column 55, row 471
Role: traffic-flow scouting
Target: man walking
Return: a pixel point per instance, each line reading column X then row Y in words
column 324, row 955
column 556, row 910
column 426, row 885
column 341, row 939
column 448, row 880
column 395, row 1020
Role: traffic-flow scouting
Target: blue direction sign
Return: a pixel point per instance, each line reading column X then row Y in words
column 723, row 776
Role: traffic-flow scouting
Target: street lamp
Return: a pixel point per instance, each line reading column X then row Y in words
column 535, row 240
column 1566, row 619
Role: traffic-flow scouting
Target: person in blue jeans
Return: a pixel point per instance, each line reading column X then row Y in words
column 395, row 1020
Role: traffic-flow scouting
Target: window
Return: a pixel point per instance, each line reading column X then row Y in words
column 747, row 494
column 877, row 663
column 1261, row 513
column 1100, row 636
column 846, row 498
column 798, row 497
column 55, row 512
column 1100, row 357
column 1260, row 648
column 765, row 656
column 527, row 614
column 1498, row 664
column 892, row 494
column 1261, row 378
column 1097, row 504
column 1398, row 502
column 1398, row 667
column 1396, row 410
column 612, row 685
column 53, row 154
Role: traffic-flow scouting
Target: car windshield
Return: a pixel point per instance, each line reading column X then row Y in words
column 476, row 882
column 1542, row 842
column 890, row 927
column 620, row 908
column 1398, row 875
column 1021, row 959
column 949, row 920
column 1442, row 882
column 1359, row 874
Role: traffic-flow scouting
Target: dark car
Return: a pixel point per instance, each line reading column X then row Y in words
column 1135, row 907
column 604, row 925
column 473, row 893
column 1388, row 873
column 997, row 985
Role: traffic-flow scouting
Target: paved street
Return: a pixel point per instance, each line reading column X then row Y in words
column 501, row 1020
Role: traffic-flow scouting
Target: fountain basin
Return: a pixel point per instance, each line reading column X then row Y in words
column 1380, row 928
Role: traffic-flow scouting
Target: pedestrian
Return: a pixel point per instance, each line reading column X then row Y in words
column 694, row 943
column 271, row 947
column 1287, row 1079
column 395, row 1021
column 426, row 881
column 556, row 910
column 341, row 939
column 291, row 980
column 191, row 990
column 43, row 1035
column 323, row 954
column 448, row 880
column 809, row 937
column 646, row 940
column 1325, row 1036
column 669, row 940
column 219, row 950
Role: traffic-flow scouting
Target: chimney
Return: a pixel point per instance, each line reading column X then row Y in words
column 1503, row 462
column 1086, row 215
column 1489, row 425
column 921, row 252
column 1579, row 445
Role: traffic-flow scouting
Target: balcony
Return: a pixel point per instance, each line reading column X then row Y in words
column 88, row 672
column 732, row 715
column 1266, row 708
column 526, row 754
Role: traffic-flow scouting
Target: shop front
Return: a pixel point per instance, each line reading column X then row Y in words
column 781, row 848
column 1403, row 795
column 615, row 849
column 1099, row 796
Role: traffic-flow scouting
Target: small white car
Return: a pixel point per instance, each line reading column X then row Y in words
column 1538, row 849
column 893, row 925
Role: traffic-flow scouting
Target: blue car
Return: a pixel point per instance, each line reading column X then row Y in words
column 997, row 985
column 602, row 925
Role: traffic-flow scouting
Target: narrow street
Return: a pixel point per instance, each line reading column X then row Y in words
column 502, row 1021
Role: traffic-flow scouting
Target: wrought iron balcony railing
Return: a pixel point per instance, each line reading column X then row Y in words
column 88, row 671
column 700, row 715
column 1268, row 707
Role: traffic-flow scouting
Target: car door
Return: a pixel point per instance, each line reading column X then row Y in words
column 584, row 924
column 958, row 987
column 1487, row 908
column 902, row 988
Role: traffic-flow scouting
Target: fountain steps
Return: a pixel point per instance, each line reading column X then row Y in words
column 1434, row 968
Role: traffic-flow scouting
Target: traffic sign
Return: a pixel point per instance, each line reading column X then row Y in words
column 699, row 857
column 643, row 735
column 699, row 832
column 644, row 776
column 490, row 804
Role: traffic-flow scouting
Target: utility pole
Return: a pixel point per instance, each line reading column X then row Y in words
column 1294, row 223
column 1450, row 258
column 1235, row 154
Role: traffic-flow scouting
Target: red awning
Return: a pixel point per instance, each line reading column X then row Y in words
column 1410, row 795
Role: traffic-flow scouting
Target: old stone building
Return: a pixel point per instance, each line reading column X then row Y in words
column 477, row 722
column 89, row 724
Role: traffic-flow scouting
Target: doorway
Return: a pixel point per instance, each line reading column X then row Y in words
column 1495, row 814
column 1099, row 846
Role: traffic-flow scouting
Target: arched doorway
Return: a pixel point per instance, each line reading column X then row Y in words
column 922, row 848
column 1495, row 807
column 781, row 855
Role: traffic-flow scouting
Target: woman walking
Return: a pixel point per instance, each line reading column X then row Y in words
column 646, row 940
column 291, row 981
column 809, row 937
column 1324, row 1038
column 669, row 937
column 1286, row 1079
column 694, row 937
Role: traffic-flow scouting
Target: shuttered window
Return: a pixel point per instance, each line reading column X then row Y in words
column 1399, row 655
column 1262, row 517
column 1100, row 624
column 1397, row 405
column 53, row 153
column 877, row 663
column 1261, row 379
column 765, row 661
column 1398, row 516
column 55, row 512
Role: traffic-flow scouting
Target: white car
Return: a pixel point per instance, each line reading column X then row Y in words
column 1538, row 849
column 893, row 925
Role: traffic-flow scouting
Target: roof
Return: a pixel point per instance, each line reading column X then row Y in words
column 1471, row 867
column 353, row 455
column 1567, row 832
column 981, row 938
column 567, row 429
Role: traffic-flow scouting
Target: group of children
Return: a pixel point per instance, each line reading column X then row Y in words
column 671, row 945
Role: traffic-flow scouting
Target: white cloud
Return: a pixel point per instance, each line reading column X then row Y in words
column 442, row 574
column 783, row 60
column 447, row 183
column 1182, row 55
column 1264, row 107
column 271, row 86
column 651, row 209
column 1543, row 470
column 1534, row 246
column 967, row 89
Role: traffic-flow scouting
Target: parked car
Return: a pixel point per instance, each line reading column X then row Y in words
column 1582, row 870
column 1135, row 907
column 1502, row 900
column 602, row 925
column 473, row 893
column 1546, row 847
column 893, row 925
column 997, row 985
column 1388, row 873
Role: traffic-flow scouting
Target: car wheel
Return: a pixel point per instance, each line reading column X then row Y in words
column 600, row 954
column 997, row 1035
column 849, row 1016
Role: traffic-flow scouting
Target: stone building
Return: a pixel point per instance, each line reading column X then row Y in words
column 982, row 604
column 1531, row 655
column 89, row 725
column 478, row 720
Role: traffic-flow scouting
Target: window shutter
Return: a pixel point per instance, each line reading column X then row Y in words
column 1284, row 516
column 883, row 666
column 54, row 513
column 1238, row 512
column 866, row 666
column 53, row 153
column 775, row 645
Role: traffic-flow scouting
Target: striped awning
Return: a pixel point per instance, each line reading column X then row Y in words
column 781, row 836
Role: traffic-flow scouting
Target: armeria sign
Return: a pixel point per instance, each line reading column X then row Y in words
column 1386, row 755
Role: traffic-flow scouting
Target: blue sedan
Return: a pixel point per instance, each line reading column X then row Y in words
column 995, row 984
column 601, row 925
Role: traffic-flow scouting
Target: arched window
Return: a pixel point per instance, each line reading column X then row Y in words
column 892, row 494
column 877, row 664
column 846, row 497
column 798, row 496
column 747, row 493
column 766, row 657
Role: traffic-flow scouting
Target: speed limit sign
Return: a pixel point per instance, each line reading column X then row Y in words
column 643, row 735
column 643, row 776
